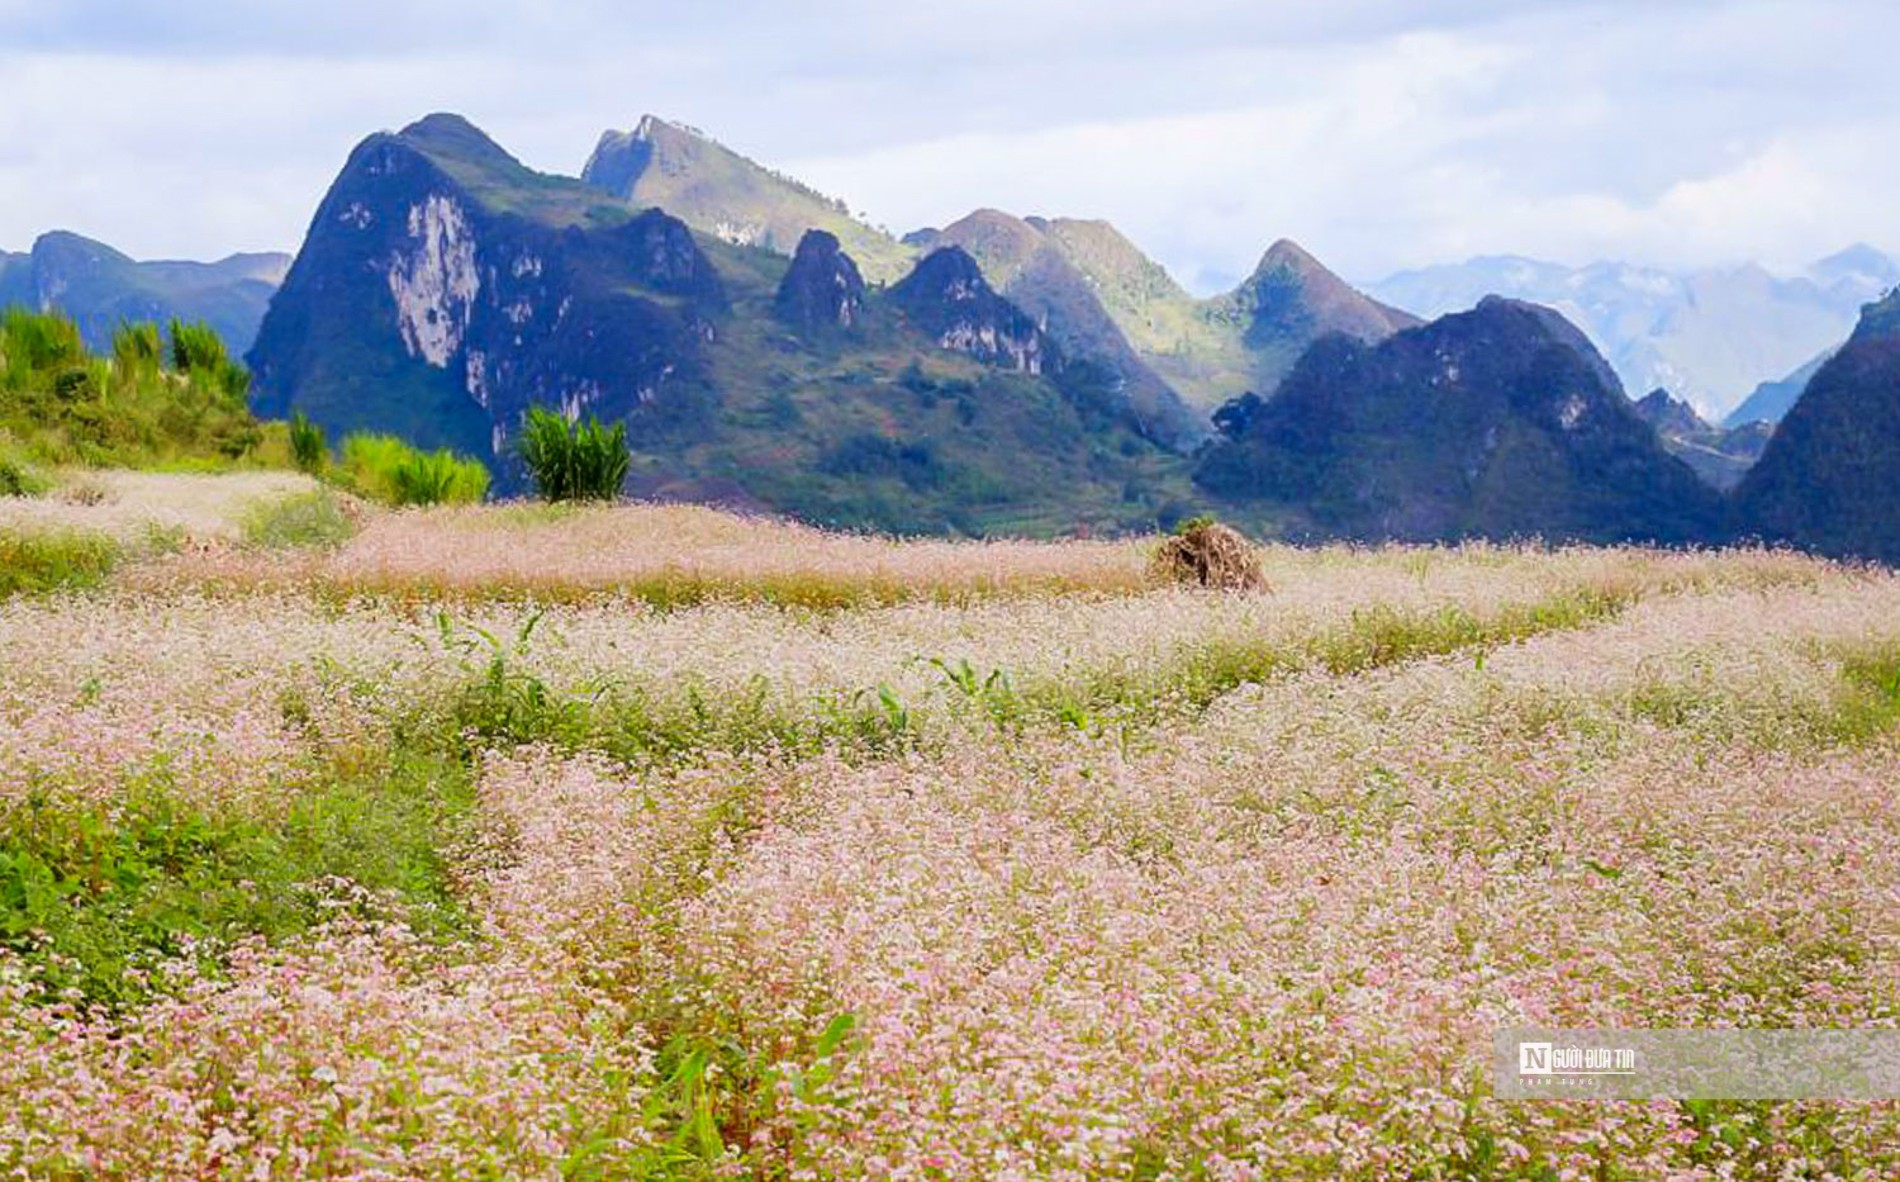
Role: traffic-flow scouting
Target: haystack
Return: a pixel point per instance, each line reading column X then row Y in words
column 1212, row 555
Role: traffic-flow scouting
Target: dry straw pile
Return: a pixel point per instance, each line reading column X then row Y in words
column 1213, row 555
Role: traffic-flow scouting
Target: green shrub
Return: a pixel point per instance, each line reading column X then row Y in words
column 53, row 561
column 386, row 469
column 574, row 461
column 308, row 450
column 304, row 519
column 19, row 476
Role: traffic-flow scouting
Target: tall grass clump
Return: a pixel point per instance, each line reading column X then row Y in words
column 574, row 461
column 197, row 349
column 308, row 449
column 386, row 469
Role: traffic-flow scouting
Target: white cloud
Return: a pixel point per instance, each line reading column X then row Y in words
column 1382, row 133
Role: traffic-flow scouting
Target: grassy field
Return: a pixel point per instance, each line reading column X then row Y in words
column 651, row 842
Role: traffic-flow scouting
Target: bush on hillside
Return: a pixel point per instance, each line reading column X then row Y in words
column 62, row 405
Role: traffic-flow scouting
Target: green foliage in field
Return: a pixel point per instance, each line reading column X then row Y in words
column 19, row 475
column 66, row 560
column 309, row 451
column 305, row 519
column 99, row 900
column 574, row 462
column 384, row 468
column 149, row 404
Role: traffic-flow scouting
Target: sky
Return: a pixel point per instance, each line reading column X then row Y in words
column 1381, row 135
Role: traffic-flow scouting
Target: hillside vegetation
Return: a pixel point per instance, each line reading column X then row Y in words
column 171, row 397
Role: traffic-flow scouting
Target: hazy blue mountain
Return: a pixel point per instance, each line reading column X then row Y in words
column 1498, row 422
column 100, row 287
column 1771, row 401
column 1710, row 336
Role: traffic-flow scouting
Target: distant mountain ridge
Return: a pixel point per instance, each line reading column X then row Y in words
column 718, row 191
column 1498, row 422
column 1720, row 455
column 1177, row 356
column 1008, row 379
column 1771, row 401
column 100, row 287
column 1708, row 336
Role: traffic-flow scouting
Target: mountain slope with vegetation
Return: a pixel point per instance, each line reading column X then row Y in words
column 1500, row 422
column 444, row 289
column 1721, row 456
column 1830, row 478
column 716, row 190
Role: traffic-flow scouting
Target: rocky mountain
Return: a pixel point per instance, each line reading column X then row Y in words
column 444, row 288
column 948, row 297
column 1710, row 336
column 1499, row 422
column 716, row 190
column 822, row 291
column 1770, row 401
column 1176, row 357
column 1830, row 477
column 1029, row 261
column 1721, row 456
column 1668, row 415
column 1097, row 290
column 1289, row 302
column 99, row 287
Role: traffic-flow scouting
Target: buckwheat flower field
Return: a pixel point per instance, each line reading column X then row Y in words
column 649, row 842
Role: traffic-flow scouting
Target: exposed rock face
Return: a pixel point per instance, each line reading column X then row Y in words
column 419, row 306
column 1500, row 422
column 947, row 296
column 100, row 288
column 822, row 291
column 1830, row 478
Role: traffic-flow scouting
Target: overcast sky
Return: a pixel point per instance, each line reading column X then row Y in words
column 1380, row 134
